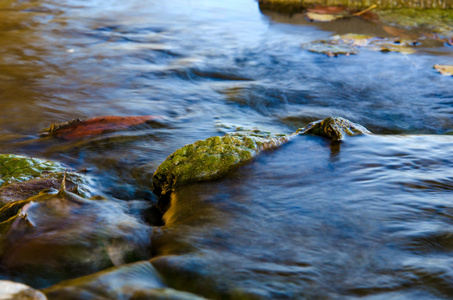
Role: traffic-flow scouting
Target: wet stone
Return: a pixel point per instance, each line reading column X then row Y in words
column 335, row 128
column 210, row 159
column 132, row 281
column 57, row 236
column 24, row 177
column 17, row 168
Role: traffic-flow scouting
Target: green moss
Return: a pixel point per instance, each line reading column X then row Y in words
column 334, row 128
column 16, row 168
column 203, row 160
column 23, row 177
column 438, row 21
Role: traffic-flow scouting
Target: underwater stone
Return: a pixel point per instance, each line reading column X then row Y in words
column 56, row 236
column 335, row 128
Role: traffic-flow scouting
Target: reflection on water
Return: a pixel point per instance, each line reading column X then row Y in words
column 368, row 217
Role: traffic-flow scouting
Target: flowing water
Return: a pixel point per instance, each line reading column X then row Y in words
column 371, row 217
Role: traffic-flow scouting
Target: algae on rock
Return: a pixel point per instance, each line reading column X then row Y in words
column 334, row 128
column 17, row 168
column 210, row 159
column 23, row 177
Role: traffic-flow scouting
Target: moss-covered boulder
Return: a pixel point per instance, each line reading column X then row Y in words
column 210, row 159
column 334, row 128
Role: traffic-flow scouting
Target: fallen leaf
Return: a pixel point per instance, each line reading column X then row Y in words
column 98, row 125
column 444, row 69
column 328, row 10
column 321, row 17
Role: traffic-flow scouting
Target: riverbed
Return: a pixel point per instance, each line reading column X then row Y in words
column 369, row 217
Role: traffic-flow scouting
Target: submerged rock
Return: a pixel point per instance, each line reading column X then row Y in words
column 210, row 159
column 335, row 128
column 55, row 236
column 10, row 290
column 132, row 281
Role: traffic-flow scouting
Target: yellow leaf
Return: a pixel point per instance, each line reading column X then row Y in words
column 444, row 69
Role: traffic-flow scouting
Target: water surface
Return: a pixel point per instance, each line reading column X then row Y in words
column 370, row 217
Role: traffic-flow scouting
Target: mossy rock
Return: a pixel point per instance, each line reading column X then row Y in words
column 210, row 159
column 203, row 160
column 17, row 168
column 24, row 177
column 334, row 128
column 438, row 21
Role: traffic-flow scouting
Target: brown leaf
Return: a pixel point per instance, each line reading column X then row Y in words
column 94, row 126
column 370, row 16
column 394, row 31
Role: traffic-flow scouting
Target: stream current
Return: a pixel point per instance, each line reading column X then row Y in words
column 370, row 217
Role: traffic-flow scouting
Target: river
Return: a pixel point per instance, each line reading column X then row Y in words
column 370, row 217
